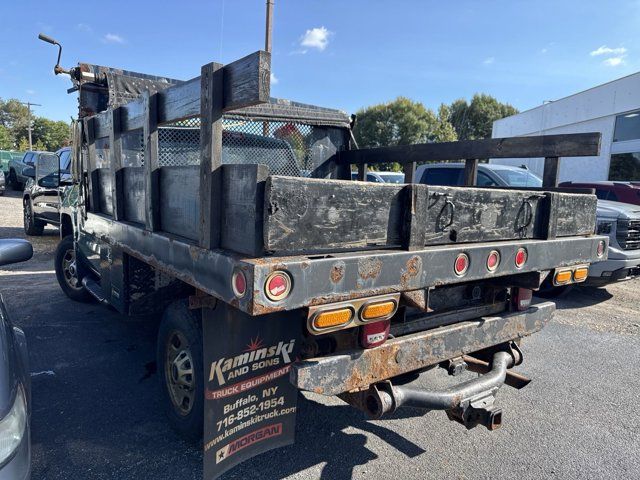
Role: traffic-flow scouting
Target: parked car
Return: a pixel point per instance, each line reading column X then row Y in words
column 18, row 177
column 15, row 385
column 381, row 177
column 41, row 197
column 620, row 221
column 2, row 184
column 5, row 157
column 625, row 192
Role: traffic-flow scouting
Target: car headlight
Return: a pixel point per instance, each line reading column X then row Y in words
column 13, row 426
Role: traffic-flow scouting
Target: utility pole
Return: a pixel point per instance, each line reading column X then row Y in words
column 267, row 36
column 267, row 47
column 29, row 105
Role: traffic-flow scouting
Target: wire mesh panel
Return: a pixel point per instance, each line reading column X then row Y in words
column 291, row 149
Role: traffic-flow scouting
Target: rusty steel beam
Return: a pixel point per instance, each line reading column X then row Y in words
column 351, row 371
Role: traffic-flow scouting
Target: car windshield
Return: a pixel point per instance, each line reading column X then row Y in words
column 518, row 178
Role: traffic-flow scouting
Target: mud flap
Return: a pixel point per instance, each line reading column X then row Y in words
column 250, row 405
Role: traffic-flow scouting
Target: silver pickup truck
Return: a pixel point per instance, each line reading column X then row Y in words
column 621, row 222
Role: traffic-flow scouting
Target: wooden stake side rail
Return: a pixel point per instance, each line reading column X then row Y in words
column 551, row 147
column 220, row 88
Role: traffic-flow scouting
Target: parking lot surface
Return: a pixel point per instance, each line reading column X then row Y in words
column 97, row 411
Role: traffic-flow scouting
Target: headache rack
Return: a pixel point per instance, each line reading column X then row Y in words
column 203, row 178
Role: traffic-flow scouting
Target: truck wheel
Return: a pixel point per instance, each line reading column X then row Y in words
column 179, row 354
column 67, row 271
column 32, row 226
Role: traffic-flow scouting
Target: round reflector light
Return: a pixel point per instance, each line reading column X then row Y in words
column 601, row 248
column 493, row 260
column 461, row 265
column 521, row 257
column 277, row 286
column 239, row 283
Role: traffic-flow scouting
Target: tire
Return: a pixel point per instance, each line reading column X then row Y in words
column 179, row 357
column 32, row 226
column 13, row 181
column 67, row 271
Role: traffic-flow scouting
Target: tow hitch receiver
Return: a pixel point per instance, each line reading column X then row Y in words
column 470, row 403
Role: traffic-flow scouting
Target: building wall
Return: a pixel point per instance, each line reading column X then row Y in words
column 593, row 110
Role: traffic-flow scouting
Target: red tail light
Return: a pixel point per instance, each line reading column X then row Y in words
column 521, row 257
column 374, row 334
column 461, row 265
column 521, row 298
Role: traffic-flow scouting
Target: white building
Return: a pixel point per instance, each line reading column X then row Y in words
column 612, row 109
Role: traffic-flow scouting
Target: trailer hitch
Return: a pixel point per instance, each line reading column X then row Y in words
column 470, row 403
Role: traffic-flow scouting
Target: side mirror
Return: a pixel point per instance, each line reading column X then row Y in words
column 29, row 171
column 14, row 251
column 48, row 170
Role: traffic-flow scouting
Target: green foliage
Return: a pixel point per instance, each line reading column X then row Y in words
column 474, row 120
column 6, row 142
column 401, row 122
column 46, row 134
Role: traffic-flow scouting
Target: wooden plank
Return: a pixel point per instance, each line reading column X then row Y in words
column 308, row 214
column 179, row 102
column 115, row 160
column 132, row 116
column 551, row 173
column 151, row 184
column 567, row 145
column 94, row 199
column 247, row 81
column 409, row 170
column 362, row 172
column 242, row 212
column 211, row 104
column 470, row 171
column 415, row 221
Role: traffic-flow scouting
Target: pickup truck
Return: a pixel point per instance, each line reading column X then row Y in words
column 189, row 203
column 19, row 169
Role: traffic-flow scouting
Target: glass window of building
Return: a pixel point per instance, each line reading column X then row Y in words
column 625, row 167
column 627, row 127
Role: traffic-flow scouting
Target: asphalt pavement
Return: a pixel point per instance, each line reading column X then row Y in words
column 97, row 411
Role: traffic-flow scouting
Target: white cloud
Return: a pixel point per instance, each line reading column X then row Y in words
column 489, row 60
column 113, row 38
column 83, row 27
column 604, row 50
column 315, row 38
column 274, row 79
column 613, row 61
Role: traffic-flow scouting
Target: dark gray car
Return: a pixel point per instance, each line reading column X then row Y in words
column 15, row 385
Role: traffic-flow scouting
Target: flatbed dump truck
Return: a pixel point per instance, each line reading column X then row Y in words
column 232, row 218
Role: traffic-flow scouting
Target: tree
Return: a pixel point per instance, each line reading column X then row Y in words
column 401, row 122
column 6, row 141
column 474, row 120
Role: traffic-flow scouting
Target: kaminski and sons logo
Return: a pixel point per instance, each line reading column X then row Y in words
column 254, row 358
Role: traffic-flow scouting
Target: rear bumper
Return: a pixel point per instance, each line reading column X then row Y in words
column 358, row 370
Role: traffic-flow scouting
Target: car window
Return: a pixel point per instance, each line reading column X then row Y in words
column 601, row 194
column 371, row 177
column 28, row 158
column 612, row 196
column 485, row 181
column 519, row 178
column 65, row 161
column 393, row 178
column 442, row 176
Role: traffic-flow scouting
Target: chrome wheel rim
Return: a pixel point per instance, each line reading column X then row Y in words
column 70, row 270
column 179, row 373
column 27, row 215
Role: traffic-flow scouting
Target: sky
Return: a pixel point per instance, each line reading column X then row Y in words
column 340, row 54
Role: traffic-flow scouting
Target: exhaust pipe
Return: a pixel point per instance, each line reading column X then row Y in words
column 470, row 403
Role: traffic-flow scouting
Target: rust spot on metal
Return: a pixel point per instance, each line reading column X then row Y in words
column 337, row 272
column 369, row 268
column 413, row 269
